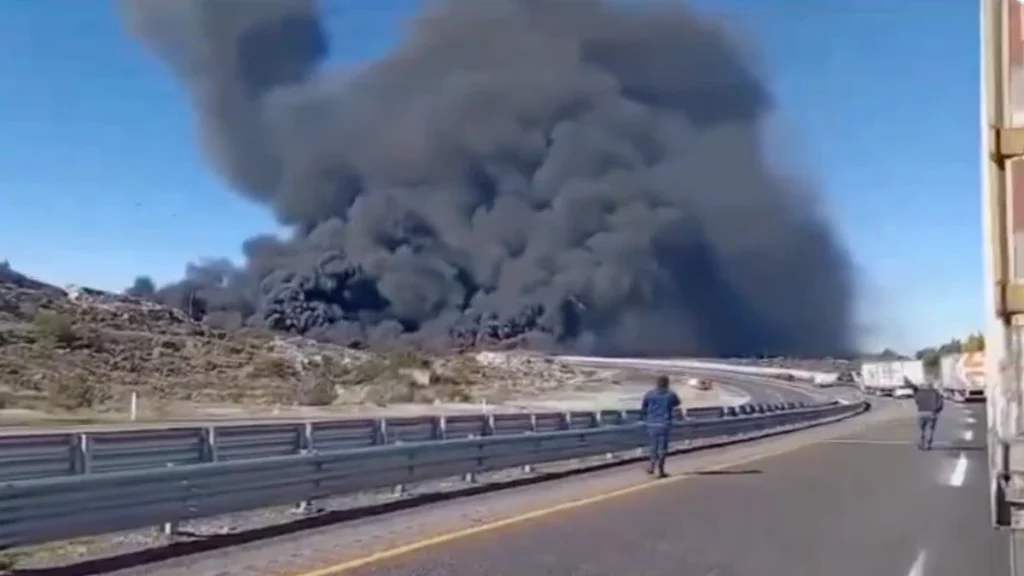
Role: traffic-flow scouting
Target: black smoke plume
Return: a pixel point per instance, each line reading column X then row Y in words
column 561, row 174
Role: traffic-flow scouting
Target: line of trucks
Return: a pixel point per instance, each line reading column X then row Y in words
column 960, row 377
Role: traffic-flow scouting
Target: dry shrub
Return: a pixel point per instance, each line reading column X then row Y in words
column 407, row 359
column 78, row 393
column 321, row 393
column 273, row 367
column 56, row 329
column 397, row 391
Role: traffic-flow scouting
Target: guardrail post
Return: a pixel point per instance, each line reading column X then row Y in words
column 171, row 528
column 686, row 435
column 398, row 489
column 306, row 446
column 81, row 456
column 208, row 448
column 440, row 428
column 488, row 425
column 596, row 421
column 528, row 468
column 470, row 477
column 566, row 421
column 381, row 436
column 309, row 506
column 306, row 438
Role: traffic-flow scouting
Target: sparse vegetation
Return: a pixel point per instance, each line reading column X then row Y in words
column 9, row 561
column 321, row 393
column 55, row 329
column 82, row 350
column 78, row 394
column 273, row 367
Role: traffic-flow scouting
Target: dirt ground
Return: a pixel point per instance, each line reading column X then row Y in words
column 76, row 355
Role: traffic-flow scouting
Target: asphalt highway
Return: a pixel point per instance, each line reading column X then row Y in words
column 758, row 389
column 863, row 503
column 762, row 390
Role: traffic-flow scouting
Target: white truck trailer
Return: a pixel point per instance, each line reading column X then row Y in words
column 882, row 378
column 962, row 376
column 1002, row 177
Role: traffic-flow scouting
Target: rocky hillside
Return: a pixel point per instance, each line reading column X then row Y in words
column 81, row 349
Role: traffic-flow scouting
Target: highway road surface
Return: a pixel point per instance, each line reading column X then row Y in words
column 762, row 390
column 758, row 389
column 867, row 503
column 848, row 499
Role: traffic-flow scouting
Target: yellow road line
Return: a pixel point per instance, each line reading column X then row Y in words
column 430, row 542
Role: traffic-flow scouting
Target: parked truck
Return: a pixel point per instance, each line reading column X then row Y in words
column 884, row 378
column 1001, row 128
column 962, row 376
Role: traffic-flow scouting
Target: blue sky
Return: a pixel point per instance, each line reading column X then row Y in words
column 101, row 178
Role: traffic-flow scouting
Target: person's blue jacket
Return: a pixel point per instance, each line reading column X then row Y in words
column 928, row 400
column 659, row 407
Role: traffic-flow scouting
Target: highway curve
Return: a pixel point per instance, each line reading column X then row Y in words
column 847, row 499
column 761, row 390
column 864, row 503
column 758, row 389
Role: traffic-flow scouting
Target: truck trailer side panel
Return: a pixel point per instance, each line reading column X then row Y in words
column 962, row 376
column 884, row 377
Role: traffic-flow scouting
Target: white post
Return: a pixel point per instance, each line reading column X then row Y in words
column 134, row 408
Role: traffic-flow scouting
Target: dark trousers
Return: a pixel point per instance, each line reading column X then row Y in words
column 657, row 437
column 926, row 427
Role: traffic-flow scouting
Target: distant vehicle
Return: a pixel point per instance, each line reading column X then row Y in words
column 883, row 378
column 903, row 392
column 700, row 384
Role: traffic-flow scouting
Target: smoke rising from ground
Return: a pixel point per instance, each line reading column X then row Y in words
column 554, row 173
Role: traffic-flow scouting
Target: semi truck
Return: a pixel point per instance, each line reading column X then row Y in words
column 1001, row 126
column 962, row 376
column 883, row 378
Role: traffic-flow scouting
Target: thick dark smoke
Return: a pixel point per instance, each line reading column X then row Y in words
column 569, row 174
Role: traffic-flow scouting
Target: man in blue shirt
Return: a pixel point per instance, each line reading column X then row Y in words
column 658, row 412
column 929, row 406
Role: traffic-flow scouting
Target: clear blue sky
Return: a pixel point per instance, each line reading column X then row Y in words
column 100, row 177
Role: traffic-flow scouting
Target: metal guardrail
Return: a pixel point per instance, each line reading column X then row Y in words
column 62, row 454
column 48, row 509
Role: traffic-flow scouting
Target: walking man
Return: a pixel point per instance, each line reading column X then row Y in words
column 929, row 405
column 658, row 412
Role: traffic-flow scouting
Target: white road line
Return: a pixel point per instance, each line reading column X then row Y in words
column 970, row 420
column 917, row 568
column 864, row 441
column 959, row 474
column 967, row 435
